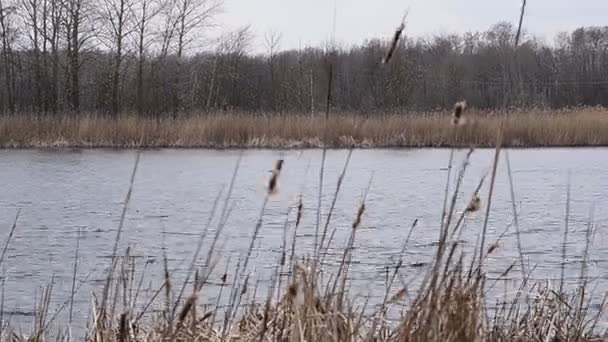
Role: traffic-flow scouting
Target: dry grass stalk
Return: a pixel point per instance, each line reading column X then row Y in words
column 10, row 236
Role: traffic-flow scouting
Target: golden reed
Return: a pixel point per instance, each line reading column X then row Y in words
column 575, row 127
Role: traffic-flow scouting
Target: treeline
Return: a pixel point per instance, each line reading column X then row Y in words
column 150, row 57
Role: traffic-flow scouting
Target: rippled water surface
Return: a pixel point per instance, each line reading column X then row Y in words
column 62, row 192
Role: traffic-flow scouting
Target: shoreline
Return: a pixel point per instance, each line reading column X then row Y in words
column 378, row 148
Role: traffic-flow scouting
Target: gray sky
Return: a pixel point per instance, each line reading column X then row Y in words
column 310, row 22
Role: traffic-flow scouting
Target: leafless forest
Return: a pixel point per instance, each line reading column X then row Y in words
column 156, row 58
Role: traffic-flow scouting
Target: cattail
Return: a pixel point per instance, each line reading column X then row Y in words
column 188, row 306
column 245, row 285
column 274, row 179
column 493, row 247
column 398, row 296
column 359, row 216
column 299, row 214
column 457, row 117
column 474, row 204
column 393, row 46
column 319, row 306
column 196, row 278
column 395, row 41
column 167, row 286
column 292, row 292
column 123, row 326
column 278, row 165
column 206, row 316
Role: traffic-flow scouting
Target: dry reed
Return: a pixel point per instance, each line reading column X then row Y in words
column 575, row 127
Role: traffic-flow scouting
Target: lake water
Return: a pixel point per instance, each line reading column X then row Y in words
column 62, row 192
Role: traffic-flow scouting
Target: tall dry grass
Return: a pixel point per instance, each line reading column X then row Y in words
column 576, row 127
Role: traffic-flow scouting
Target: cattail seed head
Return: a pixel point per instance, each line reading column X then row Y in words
column 123, row 327
column 292, row 291
column 188, row 306
column 245, row 285
column 394, row 42
column 196, row 278
column 458, row 115
column 493, row 247
column 319, row 306
column 274, row 179
column 278, row 165
column 398, row 296
column 299, row 214
column 474, row 204
column 206, row 316
column 357, row 221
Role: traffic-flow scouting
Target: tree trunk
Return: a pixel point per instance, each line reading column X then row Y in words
column 7, row 57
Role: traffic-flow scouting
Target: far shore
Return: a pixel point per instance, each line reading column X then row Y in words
column 582, row 127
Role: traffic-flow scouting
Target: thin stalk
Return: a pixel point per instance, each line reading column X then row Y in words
column 10, row 236
column 334, row 200
column 74, row 278
column 198, row 250
column 565, row 239
column 119, row 231
column 515, row 215
column 489, row 206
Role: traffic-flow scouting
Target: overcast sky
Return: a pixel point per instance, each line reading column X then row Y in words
column 311, row 22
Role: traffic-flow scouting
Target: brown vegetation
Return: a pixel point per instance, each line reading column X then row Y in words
column 578, row 127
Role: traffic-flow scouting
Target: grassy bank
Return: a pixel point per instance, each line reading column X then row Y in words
column 577, row 127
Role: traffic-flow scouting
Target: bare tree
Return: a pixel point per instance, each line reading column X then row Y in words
column 7, row 11
column 77, row 34
column 155, row 51
column 33, row 24
column 272, row 41
column 231, row 48
column 53, row 16
column 115, row 15
column 144, row 13
column 183, row 22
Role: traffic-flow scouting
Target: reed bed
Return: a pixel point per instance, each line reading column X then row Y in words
column 574, row 127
